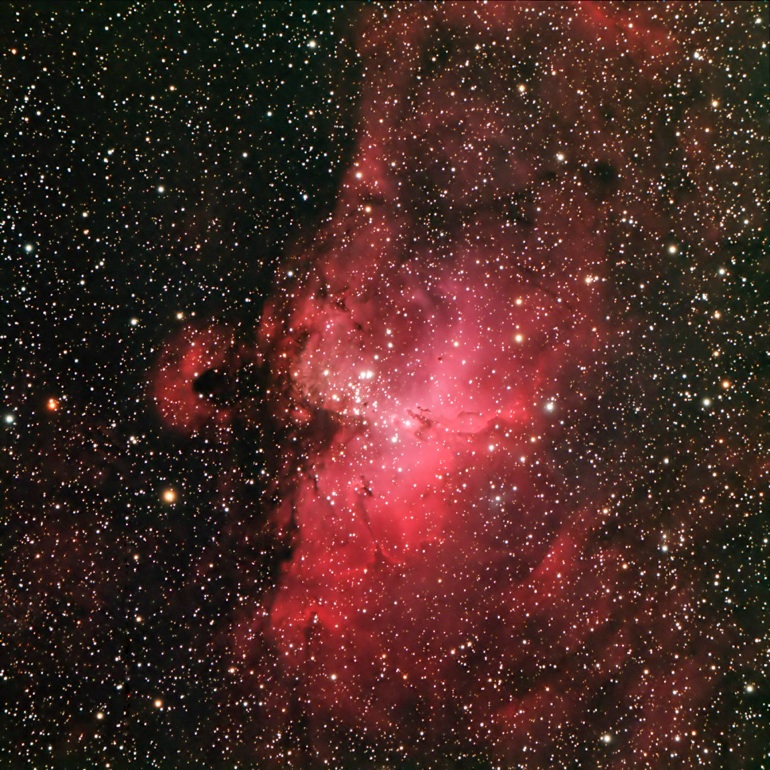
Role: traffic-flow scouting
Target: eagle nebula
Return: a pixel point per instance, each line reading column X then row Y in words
column 480, row 473
column 479, row 491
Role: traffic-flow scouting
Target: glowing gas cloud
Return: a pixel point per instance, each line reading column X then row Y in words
column 465, row 385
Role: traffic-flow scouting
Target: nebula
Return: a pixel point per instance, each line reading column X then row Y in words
column 457, row 366
column 196, row 354
column 384, row 385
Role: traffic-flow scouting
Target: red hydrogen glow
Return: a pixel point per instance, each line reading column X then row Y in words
column 434, row 361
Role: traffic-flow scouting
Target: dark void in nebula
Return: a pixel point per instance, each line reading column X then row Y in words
column 493, row 492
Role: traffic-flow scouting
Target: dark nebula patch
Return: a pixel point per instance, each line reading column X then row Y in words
column 215, row 385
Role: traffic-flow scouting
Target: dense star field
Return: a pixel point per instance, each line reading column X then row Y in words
column 384, row 385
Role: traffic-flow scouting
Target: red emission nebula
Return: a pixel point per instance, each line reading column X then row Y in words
column 453, row 369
